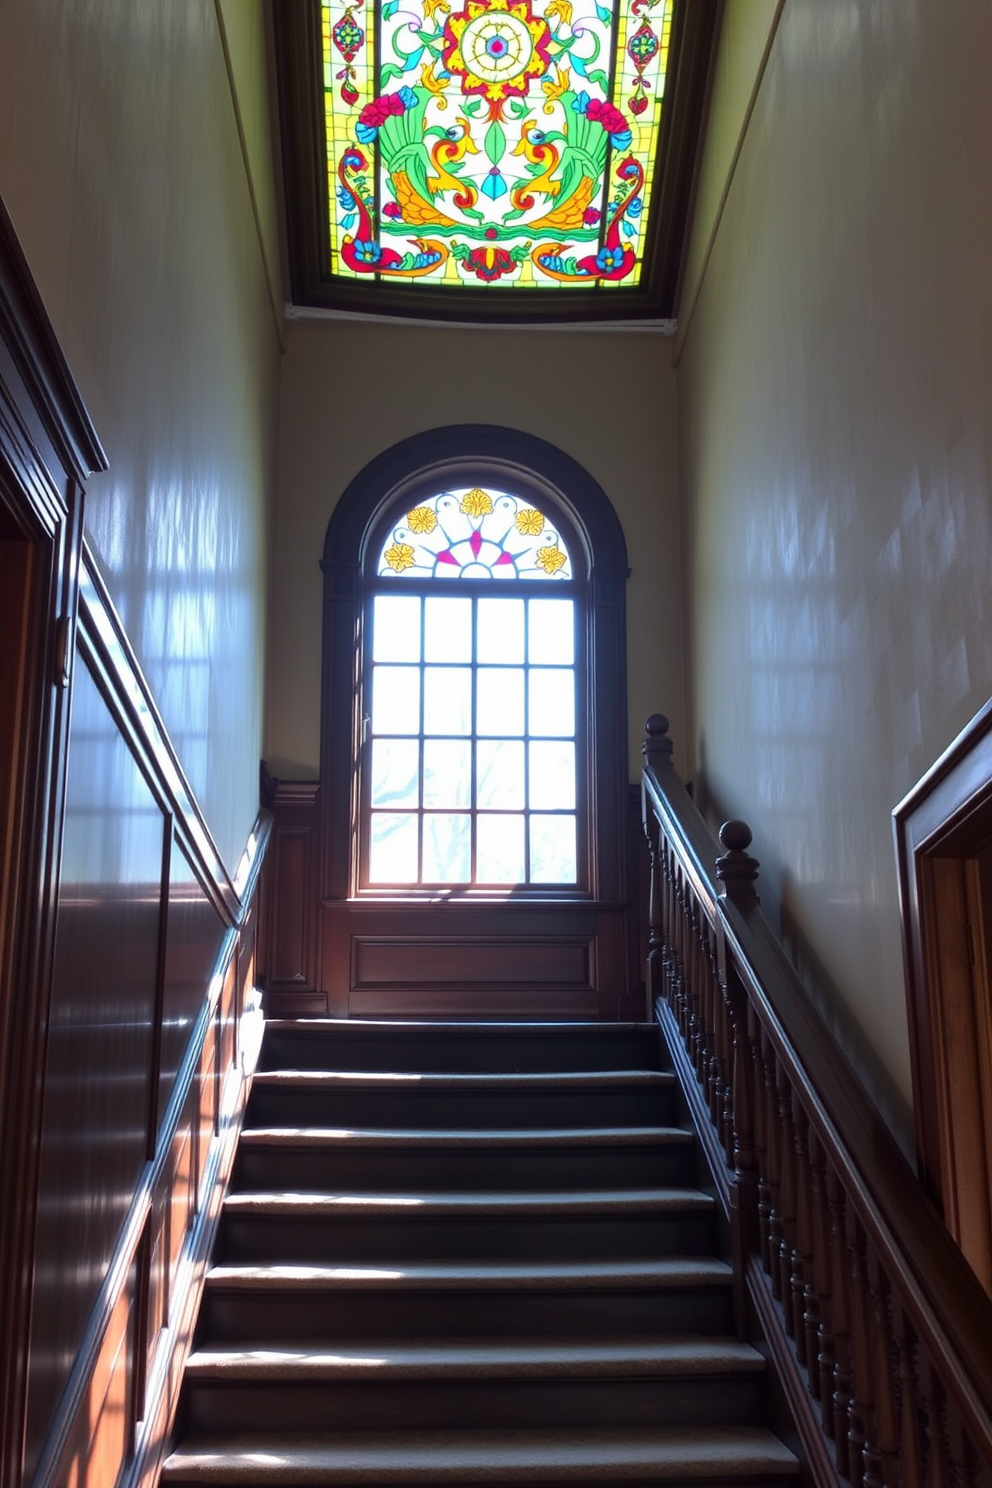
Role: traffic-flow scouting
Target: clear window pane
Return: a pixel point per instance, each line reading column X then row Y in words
column 447, row 772
column 447, row 848
column 501, row 630
column 499, row 765
column 551, row 632
column 396, row 700
column 448, row 629
column 552, row 849
column 396, row 628
column 447, row 700
column 395, row 772
column 552, row 775
column 499, row 851
column 500, row 708
column 393, row 848
column 551, row 701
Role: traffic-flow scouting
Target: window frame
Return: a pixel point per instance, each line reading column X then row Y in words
column 469, row 455
column 575, row 589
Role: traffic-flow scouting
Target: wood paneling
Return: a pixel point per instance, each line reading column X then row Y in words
column 122, row 983
column 288, row 971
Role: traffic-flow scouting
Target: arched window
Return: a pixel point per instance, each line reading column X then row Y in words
column 470, row 767
column 473, row 750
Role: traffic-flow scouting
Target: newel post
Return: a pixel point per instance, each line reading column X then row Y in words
column 657, row 750
column 737, row 873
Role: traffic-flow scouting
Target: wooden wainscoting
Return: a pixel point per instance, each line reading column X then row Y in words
column 452, row 955
column 150, row 1013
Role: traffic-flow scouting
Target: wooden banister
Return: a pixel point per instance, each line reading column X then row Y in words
column 878, row 1324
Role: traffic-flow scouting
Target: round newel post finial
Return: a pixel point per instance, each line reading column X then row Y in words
column 657, row 745
column 735, row 868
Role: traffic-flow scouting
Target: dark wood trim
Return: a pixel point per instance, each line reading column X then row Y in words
column 300, row 85
column 48, row 401
column 946, row 816
column 290, row 956
column 47, row 446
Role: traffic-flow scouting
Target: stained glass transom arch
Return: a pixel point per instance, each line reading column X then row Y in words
column 475, row 533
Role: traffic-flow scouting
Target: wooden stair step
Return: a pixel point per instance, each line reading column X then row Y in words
column 457, row 1359
column 729, row 1455
column 476, row 1205
column 461, row 1081
column 621, row 1275
column 405, row 1138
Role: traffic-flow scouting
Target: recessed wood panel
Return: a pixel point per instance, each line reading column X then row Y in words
column 505, row 960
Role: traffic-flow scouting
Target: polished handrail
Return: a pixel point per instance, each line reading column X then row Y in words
column 888, row 1329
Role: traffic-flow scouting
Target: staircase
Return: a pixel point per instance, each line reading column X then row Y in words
column 466, row 1254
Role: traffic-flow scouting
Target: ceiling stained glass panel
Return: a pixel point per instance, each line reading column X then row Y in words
column 494, row 143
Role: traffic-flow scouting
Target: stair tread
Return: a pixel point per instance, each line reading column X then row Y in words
column 539, row 1275
column 459, row 1080
column 406, row 1137
column 480, row 1456
column 356, row 1028
column 460, row 1359
column 425, row 1204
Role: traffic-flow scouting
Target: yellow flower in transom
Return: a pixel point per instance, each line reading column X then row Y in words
column 477, row 502
column 431, row 6
column 421, row 519
column 399, row 556
column 550, row 559
column 530, row 522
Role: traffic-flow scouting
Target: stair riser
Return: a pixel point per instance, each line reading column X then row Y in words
column 490, row 1110
column 307, row 1048
column 367, row 1170
column 313, row 1240
column 409, row 1405
column 340, row 1317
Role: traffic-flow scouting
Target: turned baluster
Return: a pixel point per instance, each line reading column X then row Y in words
column 860, row 1435
column 804, row 1302
column 886, row 1415
column 760, row 1107
column 935, row 1438
column 819, row 1322
column 910, row 1453
column 775, row 1144
column 787, row 1201
column 839, row 1292
column 656, row 970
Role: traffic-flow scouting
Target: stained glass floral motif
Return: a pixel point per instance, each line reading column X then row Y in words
column 475, row 534
column 506, row 143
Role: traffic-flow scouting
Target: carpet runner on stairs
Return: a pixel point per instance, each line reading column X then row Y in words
column 469, row 1254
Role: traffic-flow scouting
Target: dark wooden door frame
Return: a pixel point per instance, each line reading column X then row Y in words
column 458, row 455
column 48, row 448
column 943, row 829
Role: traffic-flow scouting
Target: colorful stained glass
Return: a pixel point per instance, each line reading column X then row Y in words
column 503, row 143
column 474, row 534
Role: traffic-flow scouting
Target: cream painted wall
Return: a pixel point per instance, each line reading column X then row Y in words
column 835, row 391
column 122, row 169
column 351, row 389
